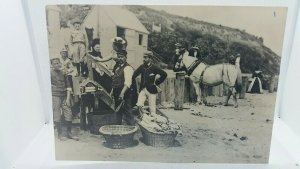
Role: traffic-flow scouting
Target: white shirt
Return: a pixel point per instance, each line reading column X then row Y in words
column 128, row 73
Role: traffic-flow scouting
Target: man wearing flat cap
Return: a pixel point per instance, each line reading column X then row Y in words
column 151, row 77
column 121, row 84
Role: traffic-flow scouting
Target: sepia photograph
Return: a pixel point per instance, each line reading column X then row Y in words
column 164, row 83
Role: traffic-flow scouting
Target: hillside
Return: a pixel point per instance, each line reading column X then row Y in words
column 216, row 41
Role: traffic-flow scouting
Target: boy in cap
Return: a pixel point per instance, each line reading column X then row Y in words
column 67, row 65
column 61, row 95
column 149, row 81
column 121, row 84
column 78, row 43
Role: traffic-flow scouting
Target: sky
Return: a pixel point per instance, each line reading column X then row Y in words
column 266, row 22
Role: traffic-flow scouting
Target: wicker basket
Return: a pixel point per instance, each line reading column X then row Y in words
column 157, row 139
column 96, row 121
column 118, row 136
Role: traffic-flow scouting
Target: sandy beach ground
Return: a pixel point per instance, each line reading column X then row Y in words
column 210, row 135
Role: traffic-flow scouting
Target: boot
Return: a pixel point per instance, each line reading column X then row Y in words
column 69, row 134
column 59, row 130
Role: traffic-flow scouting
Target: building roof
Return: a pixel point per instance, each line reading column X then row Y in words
column 124, row 18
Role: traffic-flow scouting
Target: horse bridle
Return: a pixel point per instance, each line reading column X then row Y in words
column 189, row 70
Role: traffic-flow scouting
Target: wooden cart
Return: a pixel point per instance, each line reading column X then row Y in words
column 91, row 93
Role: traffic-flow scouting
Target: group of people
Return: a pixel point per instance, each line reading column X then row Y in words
column 69, row 64
column 121, row 84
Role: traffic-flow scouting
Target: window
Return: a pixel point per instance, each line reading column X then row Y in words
column 120, row 31
column 140, row 39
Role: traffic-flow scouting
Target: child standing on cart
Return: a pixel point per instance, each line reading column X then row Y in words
column 78, row 48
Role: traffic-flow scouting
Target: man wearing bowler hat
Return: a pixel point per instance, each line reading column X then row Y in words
column 151, row 77
column 122, row 87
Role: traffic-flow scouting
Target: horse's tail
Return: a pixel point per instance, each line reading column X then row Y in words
column 238, row 82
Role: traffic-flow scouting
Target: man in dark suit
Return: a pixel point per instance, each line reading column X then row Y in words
column 151, row 77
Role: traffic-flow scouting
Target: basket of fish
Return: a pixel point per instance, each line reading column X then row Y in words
column 157, row 129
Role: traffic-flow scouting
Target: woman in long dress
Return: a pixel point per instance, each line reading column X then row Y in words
column 256, row 85
column 99, row 76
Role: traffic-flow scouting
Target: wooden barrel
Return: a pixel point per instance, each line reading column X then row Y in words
column 179, row 91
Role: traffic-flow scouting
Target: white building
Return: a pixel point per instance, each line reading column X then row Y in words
column 108, row 22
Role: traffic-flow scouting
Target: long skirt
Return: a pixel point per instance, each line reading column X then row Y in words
column 255, row 86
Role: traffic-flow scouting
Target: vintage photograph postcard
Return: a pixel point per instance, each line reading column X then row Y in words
column 172, row 84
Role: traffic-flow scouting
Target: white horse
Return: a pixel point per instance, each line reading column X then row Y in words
column 203, row 75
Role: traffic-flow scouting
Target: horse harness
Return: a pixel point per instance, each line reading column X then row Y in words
column 193, row 66
column 202, row 73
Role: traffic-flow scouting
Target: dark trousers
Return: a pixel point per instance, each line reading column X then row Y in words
column 125, row 110
column 82, row 69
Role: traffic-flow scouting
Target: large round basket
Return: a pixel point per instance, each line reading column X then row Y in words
column 118, row 136
column 157, row 139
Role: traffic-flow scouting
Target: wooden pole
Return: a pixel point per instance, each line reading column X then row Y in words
column 179, row 91
column 272, row 84
column 244, row 87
